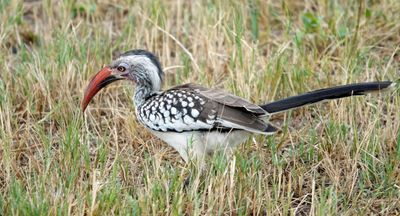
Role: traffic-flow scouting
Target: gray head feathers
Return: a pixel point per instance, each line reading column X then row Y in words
column 145, row 68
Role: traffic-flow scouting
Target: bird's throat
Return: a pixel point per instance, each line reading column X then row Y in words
column 142, row 92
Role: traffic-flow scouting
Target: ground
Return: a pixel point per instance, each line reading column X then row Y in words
column 334, row 158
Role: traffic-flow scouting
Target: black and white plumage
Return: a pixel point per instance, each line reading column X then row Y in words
column 191, row 108
column 197, row 120
column 174, row 110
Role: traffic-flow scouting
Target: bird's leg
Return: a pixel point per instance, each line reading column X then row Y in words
column 196, row 170
column 197, row 154
column 184, row 154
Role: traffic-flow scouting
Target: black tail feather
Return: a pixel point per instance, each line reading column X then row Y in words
column 325, row 94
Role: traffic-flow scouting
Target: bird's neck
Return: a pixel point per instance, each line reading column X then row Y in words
column 142, row 92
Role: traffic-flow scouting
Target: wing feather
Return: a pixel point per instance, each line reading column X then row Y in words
column 225, row 98
column 230, row 111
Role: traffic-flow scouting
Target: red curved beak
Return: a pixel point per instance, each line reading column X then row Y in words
column 103, row 78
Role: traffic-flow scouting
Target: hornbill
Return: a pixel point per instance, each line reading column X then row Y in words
column 192, row 118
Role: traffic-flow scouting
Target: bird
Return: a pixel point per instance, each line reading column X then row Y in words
column 195, row 120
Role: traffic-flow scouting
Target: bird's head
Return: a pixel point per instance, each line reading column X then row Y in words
column 139, row 66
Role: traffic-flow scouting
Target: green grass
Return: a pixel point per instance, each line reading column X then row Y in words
column 335, row 158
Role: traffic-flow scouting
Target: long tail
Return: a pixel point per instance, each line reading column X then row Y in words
column 326, row 94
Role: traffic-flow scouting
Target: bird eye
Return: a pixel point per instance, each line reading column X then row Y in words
column 121, row 68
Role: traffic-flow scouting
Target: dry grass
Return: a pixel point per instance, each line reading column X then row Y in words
column 340, row 157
